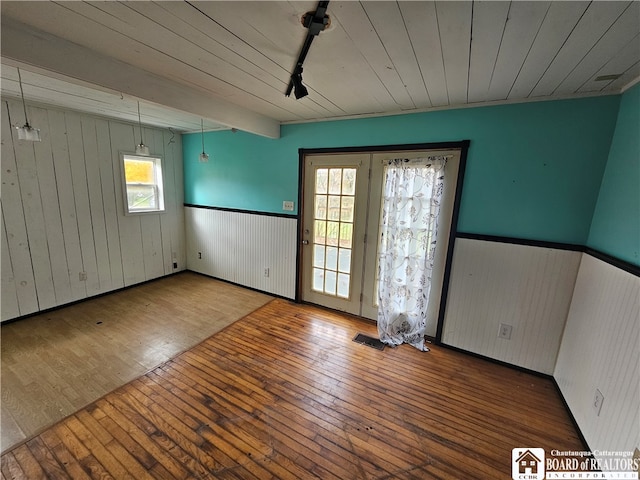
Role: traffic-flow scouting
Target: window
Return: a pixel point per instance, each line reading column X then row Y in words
column 143, row 184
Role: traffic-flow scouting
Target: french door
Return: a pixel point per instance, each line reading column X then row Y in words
column 341, row 228
column 334, row 227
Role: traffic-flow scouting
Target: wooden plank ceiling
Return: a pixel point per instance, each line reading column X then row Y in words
column 229, row 62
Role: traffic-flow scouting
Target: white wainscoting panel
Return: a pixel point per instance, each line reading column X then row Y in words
column 63, row 212
column 527, row 287
column 238, row 247
column 601, row 350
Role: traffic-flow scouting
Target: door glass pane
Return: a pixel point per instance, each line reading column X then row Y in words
column 346, row 211
column 321, row 207
column 318, row 256
column 322, row 179
column 333, row 230
column 330, row 280
column 319, row 232
column 318, row 279
column 348, row 181
column 343, row 285
column 335, row 181
column 344, row 260
column 346, row 234
column 334, row 207
column 332, row 258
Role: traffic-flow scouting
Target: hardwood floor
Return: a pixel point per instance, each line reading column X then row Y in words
column 285, row 393
column 57, row 362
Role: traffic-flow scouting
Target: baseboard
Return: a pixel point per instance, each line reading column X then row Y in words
column 75, row 302
column 275, row 295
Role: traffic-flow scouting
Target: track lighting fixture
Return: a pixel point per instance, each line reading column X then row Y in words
column 141, row 149
column 26, row 132
column 204, row 157
column 315, row 22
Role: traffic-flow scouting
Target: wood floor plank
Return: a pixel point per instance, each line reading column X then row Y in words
column 134, row 448
column 145, row 438
column 57, row 362
column 45, row 459
column 28, row 463
column 11, row 468
column 98, row 449
column 63, row 455
column 285, row 393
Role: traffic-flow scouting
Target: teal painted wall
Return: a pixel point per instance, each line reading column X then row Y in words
column 533, row 171
column 615, row 228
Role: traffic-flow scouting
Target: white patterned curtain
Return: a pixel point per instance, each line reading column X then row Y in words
column 412, row 195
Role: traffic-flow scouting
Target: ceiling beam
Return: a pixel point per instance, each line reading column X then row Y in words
column 34, row 47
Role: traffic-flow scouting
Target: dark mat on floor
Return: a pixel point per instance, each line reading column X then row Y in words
column 369, row 341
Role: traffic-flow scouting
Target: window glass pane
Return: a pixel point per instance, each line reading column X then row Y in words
column 141, row 197
column 332, row 258
column 322, row 176
column 344, row 260
column 318, row 280
column 334, row 207
column 346, row 211
column 318, row 256
column 349, row 181
column 139, row 171
column 344, row 281
column 333, row 229
column 330, row 281
column 335, row 181
column 321, row 206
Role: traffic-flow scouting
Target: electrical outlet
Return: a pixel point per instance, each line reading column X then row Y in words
column 287, row 206
column 266, row 271
column 504, row 331
column 598, row 399
column 82, row 276
column 175, row 264
column 199, row 255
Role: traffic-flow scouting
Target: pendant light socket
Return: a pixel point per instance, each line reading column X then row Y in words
column 142, row 149
column 28, row 133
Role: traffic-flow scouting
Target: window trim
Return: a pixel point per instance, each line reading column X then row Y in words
column 158, row 186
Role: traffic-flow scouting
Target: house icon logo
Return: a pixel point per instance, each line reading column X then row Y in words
column 527, row 464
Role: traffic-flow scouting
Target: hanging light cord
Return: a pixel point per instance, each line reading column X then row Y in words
column 24, row 105
column 140, row 124
column 202, row 131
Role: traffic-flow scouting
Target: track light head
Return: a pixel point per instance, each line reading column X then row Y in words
column 299, row 90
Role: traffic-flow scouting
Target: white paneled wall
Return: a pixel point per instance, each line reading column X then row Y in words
column 601, row 350
column 527, row 287
column 63, row 213
column 238, row 247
